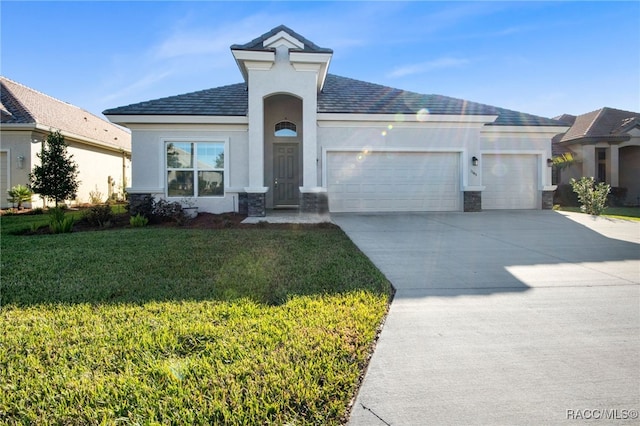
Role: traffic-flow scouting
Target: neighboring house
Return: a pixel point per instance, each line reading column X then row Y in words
column 605, row 144
column 294, row 136
column 101, row 149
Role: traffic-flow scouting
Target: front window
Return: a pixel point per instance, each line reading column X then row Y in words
column 195, row 169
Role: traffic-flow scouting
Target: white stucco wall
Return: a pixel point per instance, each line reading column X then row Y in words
column 149, row 168
column 534, row 140
column 391, row 134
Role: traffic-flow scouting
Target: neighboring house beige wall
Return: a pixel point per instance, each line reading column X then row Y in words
column 95, row 165
column 17, row 147
column 28, row 117
column 630, row 172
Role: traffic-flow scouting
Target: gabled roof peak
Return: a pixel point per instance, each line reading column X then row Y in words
column 294, row 41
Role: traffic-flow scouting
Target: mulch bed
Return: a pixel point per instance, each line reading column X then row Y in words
column 202, row 221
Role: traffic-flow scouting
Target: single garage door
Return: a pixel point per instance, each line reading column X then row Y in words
column 4, row 179
column 511, row 181
column 393, row 181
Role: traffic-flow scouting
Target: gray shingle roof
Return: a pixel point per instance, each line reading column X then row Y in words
column 23, row 105
column 340, row 95
column 257, row 44
column 602, row 124
column 229, row 100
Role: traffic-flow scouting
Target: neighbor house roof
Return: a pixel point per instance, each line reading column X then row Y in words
column 21, row 105
column 258, row 43
column 605, row 124
column 339, row 95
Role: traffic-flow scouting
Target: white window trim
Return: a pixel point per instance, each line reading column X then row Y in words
column 196, row 140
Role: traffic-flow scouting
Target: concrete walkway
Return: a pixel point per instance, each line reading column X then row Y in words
column 519, row 317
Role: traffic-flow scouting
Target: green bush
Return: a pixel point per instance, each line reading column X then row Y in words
column 99, row 215
column 592, row 196
column 138, row 221
column 19, row 194
column 59, row 223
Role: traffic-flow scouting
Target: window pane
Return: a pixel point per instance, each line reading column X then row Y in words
column 180, row 155
column 180, row 183
column 210, row 184
column 210, row 156
column 285, row 129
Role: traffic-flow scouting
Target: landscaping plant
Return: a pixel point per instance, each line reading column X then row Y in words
column 592, row 196
column 57, row 175
column 59, row 222
column 138, row 221
column 19, row 194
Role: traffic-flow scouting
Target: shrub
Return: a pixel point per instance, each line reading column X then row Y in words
column 592, row 196
column 138, row 221
column 59, row 223
column 142, row 205
column 19, row 194
column 173, row 211
column 99, row 215
column 95, row 197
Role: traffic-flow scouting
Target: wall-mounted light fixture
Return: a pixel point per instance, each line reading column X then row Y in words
column 549, row 162
column 474, row 160
column 20, row 161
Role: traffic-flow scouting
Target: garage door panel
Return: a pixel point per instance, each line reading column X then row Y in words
column 510, row 180
column 393, row 182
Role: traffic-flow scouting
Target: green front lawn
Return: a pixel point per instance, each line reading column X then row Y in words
column 629, row 213
column 184, row 326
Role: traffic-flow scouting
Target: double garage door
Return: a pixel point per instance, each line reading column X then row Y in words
column 421, row 181
column 393, row 181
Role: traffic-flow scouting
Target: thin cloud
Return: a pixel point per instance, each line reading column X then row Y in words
column 425, row 67
column 141, row 84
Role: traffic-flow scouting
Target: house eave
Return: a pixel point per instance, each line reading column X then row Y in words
column 595, row 139
column 248, row 59
column 398, row 119
column 126, row 120
column 45, row 130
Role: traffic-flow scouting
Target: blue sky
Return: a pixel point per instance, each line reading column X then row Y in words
column 544, row 58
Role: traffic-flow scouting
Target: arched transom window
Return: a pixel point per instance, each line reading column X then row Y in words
column 285, row 129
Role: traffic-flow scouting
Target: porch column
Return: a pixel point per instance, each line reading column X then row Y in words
column 614, row 166
column 256, row 144
column 256, row 198
column 589, row 161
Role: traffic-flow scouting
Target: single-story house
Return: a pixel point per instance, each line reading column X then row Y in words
column 101, row 149
column 292, row 135
column 605, row 145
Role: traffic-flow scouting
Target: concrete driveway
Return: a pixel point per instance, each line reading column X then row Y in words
column 518, row 317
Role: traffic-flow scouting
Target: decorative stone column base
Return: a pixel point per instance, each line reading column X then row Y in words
column 256, row 205
column 547, row 200
column 140, row 203
column 314, row 202
column 472, row 201
column 243, row 203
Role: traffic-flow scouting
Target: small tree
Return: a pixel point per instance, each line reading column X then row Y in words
column 19, row 194
column 592, row 197
column 57, row 176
